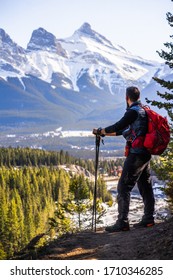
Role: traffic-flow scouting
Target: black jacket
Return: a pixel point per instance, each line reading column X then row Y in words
column 133, row 125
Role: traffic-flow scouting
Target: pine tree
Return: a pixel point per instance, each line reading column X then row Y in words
column 164, row 167
column 3, row 254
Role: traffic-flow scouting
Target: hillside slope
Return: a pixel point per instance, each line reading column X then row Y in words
column 137, row 244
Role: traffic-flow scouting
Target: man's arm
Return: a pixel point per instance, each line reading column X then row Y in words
column 107, row 134
column 129, row 117
column 116, row 129
column 103, row 132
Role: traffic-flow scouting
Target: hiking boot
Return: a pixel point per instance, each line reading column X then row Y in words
column 118, row 226
column 144, row 223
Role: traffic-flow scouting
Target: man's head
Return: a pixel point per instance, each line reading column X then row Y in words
column 132, row 94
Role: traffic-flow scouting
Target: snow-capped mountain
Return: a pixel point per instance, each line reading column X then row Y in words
column 72, row 82
column 12, row 57
column 110, row 67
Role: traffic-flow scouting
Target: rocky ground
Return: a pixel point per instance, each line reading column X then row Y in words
column 155, row 243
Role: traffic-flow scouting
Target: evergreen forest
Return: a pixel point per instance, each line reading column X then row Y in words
column 39, row 198
column 163, row 165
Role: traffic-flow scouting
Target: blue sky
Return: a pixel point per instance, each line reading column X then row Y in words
column 138, row 25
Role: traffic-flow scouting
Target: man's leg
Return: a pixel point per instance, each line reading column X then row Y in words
column 133, row 168
column 146, row 191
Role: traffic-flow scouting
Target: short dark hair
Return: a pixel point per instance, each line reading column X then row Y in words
column 133, row 93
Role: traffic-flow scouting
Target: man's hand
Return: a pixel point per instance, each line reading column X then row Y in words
column 99, row 131
column 102, row 133
column 95, row 131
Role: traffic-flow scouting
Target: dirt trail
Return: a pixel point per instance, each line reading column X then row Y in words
column 146, row 243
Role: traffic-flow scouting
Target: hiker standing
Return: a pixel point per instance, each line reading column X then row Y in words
column 133, row 126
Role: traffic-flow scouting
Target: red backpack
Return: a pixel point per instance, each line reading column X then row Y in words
column 158, row 135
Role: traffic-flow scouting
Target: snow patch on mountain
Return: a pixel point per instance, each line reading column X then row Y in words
column 43, row 64
column 105, row 64
column 74, row 133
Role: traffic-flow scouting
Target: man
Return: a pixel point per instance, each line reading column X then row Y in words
column 133, row 126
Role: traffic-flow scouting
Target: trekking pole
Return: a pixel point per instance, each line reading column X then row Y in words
column 94, row 214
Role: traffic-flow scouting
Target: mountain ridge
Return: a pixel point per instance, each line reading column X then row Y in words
column 70, row 83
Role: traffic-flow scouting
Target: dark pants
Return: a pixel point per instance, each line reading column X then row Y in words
column 135, row 170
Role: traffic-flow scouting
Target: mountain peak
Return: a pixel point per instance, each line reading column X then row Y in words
column 8, row 46
column 44, row 40
column 87, row 31
column 4, row 37
column 41, row 39
column 86, row 28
